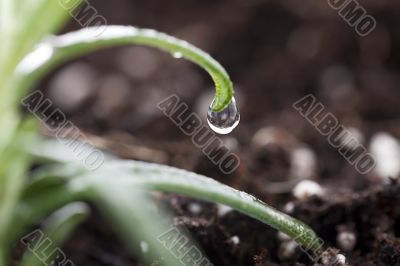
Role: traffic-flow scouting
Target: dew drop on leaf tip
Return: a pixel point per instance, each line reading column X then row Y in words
column 225, row 121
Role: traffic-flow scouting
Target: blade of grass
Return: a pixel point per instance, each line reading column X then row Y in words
column 58, row 228
column 26, row 24
column 125, row 208
column 131, row 213
column 35, row 203
column 70, row 45
column 15, row 164
column 134, row 174
column 149, row 176
column 22, row 25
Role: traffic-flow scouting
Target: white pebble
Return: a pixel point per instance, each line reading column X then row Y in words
column 289, row 207
column 235, row 240
column 303, row 163
column 287, row 249
column 386, row 150
column 325, row 258
column 195, row 208
column 340, row 259
column 328, row 260
column 346, row 240
column 307, row 188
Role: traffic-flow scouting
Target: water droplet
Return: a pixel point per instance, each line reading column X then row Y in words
column 177, row 55
column 225, row 121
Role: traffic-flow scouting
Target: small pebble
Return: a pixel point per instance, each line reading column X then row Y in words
column 386, row 150
column 235, row 240
column 195, row 208
column 287, row 249
column 340, row 259
column 325, row 259
column 306, row 189
column 346, row 240
column 329, row 259
column 289, row 207
column 303, row 163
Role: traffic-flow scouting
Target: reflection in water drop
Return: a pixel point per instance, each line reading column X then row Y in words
column 177, row 55
column 225, row 121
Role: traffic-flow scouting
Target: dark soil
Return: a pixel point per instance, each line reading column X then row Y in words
column 276, row 52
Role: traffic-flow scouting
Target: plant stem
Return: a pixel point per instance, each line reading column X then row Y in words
column 58, row 49
column 168, row 179
column 121, row 205
column 149, row 176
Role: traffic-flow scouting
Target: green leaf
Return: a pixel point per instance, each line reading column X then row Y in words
column 130, row 210
column 134, row 175
column 127, row 209
column 23, row 24
column 15, row 164
column 57, row 228
column 59, row 49
column 140, row 175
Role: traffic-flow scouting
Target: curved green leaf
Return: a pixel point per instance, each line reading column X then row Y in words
column 57, row 228
column 139, row 175
column 58, row 49
column 150, row 176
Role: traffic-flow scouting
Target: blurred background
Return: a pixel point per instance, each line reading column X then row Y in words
column 275, row 52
